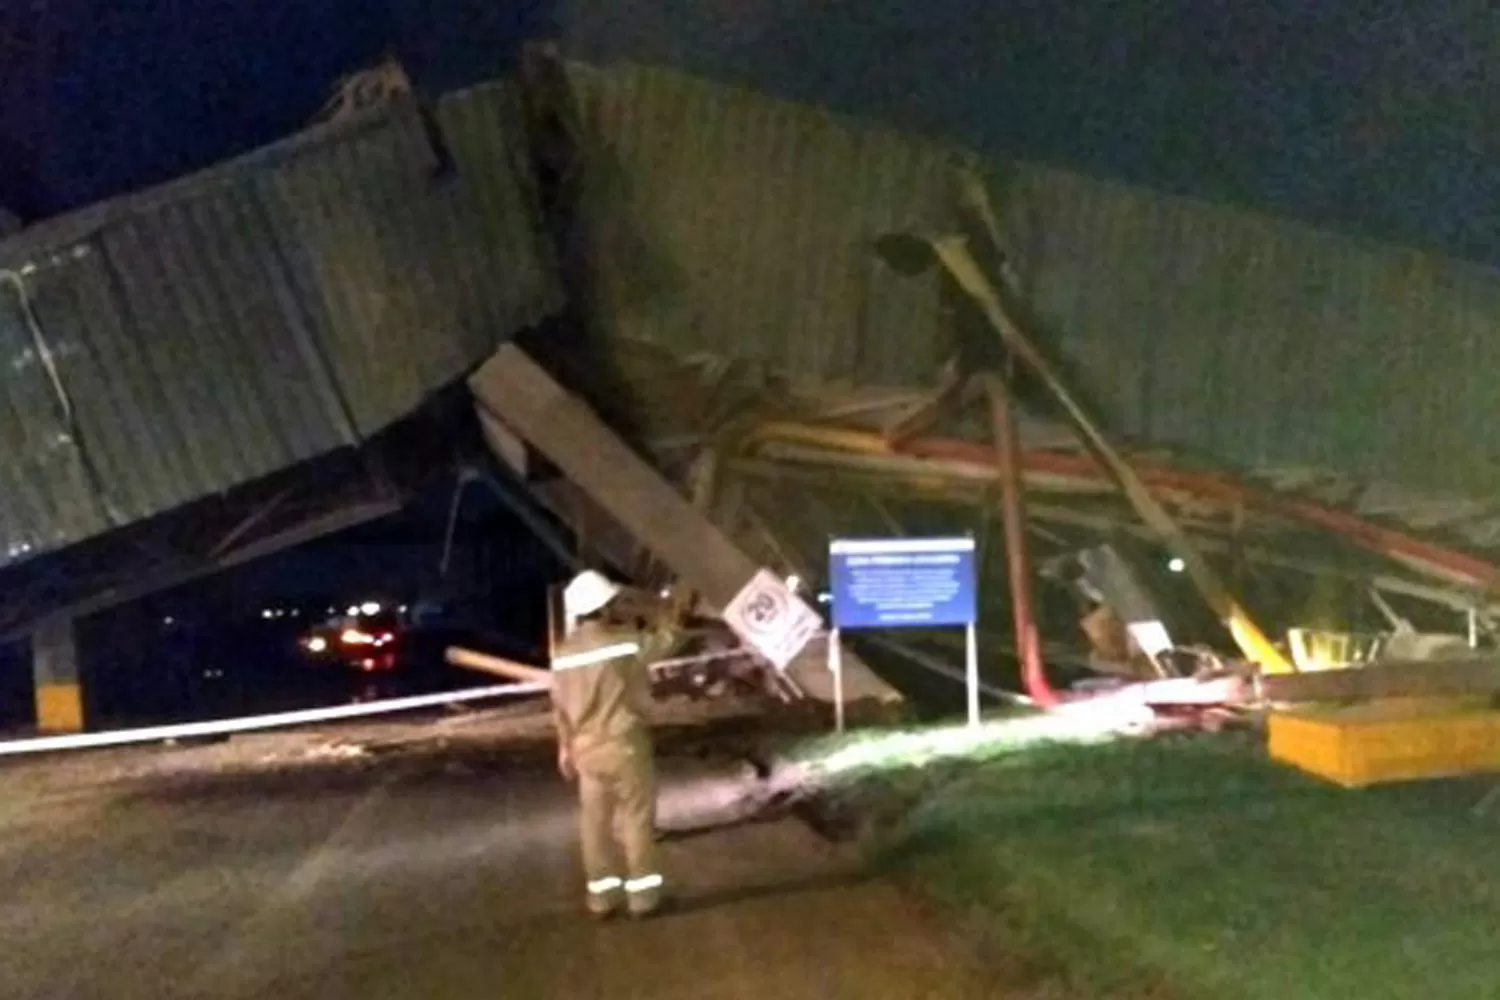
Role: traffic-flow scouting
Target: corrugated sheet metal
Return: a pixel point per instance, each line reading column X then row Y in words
column 738, row 224
column 195, row 378
column 512, row 278
column 278, row 307
column 414, row 272
column 1264, row 342
column 722, row 221
column 44, row 497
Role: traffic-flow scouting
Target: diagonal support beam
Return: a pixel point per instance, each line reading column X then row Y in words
column 956, row 259
column 953, row 253
column 519, row 392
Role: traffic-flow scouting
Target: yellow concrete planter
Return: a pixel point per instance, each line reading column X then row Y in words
column 1389, row 741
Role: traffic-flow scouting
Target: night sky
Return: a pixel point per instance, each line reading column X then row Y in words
column 102, row 97
column 1362, row 115
column 1358, row 115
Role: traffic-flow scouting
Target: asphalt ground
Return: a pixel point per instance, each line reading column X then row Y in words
column 428, row 859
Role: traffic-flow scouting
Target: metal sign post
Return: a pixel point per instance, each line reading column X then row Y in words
column 971, row 671
column 879, row 583
column 836, row 667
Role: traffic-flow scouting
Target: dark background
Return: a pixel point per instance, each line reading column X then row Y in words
column 103, row 97
column 1374, row 117
column 205, row 650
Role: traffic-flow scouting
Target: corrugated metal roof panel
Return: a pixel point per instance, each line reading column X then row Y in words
column 44, row 497
column 354, row 218
column 219, row 379
column 248, row 318
column 723, row 221
column 513, row 280
column 730, row 223
column 1264, row 342
column 416, row 274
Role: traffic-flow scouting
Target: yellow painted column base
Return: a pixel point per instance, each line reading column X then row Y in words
column 59, row 708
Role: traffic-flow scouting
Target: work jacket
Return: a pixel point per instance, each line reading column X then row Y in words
column 601, row 684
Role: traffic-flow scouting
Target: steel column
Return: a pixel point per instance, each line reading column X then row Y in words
column 58, row 686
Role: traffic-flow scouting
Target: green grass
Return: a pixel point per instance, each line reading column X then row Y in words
column 1198, row 863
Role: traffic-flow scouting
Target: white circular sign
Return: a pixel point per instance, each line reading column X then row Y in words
column 764, row 611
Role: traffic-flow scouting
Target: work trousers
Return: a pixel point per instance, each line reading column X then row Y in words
column 617, row 823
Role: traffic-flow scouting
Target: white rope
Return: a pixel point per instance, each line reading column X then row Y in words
column 249, row 723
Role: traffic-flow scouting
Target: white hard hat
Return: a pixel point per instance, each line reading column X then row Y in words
column 586, row 593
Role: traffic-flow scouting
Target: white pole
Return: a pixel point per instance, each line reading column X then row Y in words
column 1473, row 628
column 972, row 668
column 836, row 667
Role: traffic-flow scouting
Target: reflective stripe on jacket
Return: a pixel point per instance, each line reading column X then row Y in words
column 601, row 684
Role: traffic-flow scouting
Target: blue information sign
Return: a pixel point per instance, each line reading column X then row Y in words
column 902, row 582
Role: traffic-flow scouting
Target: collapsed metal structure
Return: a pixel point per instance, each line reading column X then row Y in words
column 181, row 347
column 834, row 389
column 766, row 326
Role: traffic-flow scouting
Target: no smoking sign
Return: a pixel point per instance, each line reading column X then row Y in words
column 768, row 616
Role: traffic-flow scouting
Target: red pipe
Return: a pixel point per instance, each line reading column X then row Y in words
column 1013, row 503
column 1225, row 491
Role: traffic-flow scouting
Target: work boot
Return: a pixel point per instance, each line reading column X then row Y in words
column 604, row 907
column 643, row 896
column 644, row 906
column 604, row 897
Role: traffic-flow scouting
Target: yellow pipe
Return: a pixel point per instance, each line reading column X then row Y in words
column 496, row 665
column 842, row 439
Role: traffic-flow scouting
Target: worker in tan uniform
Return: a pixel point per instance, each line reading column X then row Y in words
column 601, row 696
